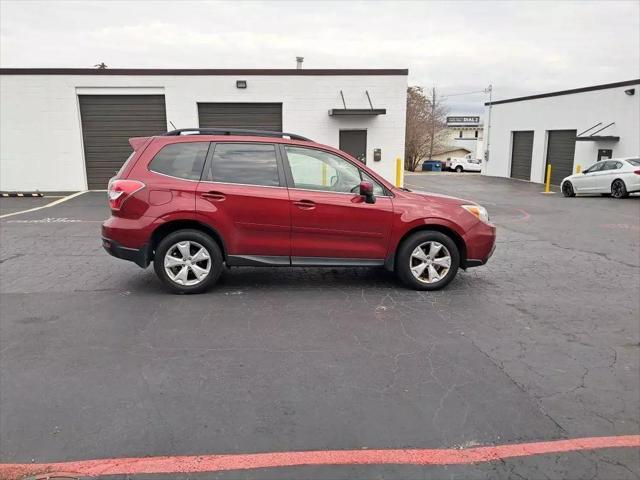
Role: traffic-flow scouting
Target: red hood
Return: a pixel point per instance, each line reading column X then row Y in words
column 437, row 197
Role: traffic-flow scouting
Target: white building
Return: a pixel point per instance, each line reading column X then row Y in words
column 570, row 129
column 465, row 132
column 67, row 129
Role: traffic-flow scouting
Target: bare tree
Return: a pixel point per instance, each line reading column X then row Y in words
column 425, row 128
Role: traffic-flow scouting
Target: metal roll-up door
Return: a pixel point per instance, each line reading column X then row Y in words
column 253, row 116
column 521, row 155
column 108, row 121
column 561, row 149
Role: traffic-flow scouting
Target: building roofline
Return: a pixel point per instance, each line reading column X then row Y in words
column 203, row 71
column 567, row 92
column 452, row 150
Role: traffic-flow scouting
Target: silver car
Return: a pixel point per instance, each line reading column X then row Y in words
column 617, row 177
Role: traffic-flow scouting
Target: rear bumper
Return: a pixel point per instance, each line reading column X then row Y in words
column 139, row 256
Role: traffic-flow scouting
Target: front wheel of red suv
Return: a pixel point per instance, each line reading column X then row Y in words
column 188, row 261
column 427, row 260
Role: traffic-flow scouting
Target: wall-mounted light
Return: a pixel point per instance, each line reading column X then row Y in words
column 631, row 91
column 241, row 84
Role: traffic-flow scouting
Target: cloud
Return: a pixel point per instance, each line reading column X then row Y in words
column 519, row 47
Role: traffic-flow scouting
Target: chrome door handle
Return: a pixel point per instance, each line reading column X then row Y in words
column 305, row 204
column 216, row 196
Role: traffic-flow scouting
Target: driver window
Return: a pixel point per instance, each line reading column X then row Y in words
column 595, row 168
column 318, row 170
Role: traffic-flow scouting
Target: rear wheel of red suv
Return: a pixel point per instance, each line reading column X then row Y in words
column 188, row 261
column 427, row 260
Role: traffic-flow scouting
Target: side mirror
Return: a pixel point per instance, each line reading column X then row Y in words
column 366, row 190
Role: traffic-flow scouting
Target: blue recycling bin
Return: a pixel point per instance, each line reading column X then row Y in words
column 432, row 166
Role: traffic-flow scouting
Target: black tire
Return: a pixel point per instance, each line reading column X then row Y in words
column 567, row 189
column 212, row 248
column 459, row 169
column 618, row 189
column 403, row 259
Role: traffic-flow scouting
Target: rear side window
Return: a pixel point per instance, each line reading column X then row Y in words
column 245, row 163
column 182, row 160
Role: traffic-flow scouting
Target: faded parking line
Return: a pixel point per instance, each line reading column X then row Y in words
column 57, row 202
column 54, row 220
column 219, row 463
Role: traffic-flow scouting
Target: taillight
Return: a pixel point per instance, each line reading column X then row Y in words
column 120, row 190
column 637, row 172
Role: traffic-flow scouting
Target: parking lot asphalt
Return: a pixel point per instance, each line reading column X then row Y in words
column 542, row 343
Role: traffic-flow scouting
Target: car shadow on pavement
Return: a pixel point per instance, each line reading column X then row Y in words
column 286, row 279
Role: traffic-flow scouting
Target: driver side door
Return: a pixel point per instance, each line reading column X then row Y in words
column 330, row 221
column 586, row 182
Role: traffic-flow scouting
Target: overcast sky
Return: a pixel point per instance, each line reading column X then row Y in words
column 519, row 47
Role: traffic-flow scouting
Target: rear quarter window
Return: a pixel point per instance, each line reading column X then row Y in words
column 181, row 160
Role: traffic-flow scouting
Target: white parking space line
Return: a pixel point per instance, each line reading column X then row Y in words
column 57, row 202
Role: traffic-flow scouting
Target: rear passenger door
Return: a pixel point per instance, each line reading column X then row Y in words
column 243, row 196
column 607, row 176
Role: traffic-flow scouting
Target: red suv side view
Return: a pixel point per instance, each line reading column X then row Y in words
column 194, row 200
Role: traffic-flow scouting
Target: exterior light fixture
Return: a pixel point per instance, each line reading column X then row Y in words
column 241, row 84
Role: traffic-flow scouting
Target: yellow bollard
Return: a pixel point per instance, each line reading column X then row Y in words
column 547, row 185
column 324, row 174
column 578, row 168
column 398, row 172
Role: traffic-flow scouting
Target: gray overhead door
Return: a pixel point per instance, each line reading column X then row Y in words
column 521, row 155
column 108, row 121
column 253, row 116
column 561, row 148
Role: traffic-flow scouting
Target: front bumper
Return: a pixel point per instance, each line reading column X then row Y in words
column 481, row 243
column 139, row 256
column 471, row 262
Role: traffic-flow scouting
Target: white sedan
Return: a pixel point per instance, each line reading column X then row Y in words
column 617, row 177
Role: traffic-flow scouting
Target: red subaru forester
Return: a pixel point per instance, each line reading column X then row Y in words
column 193, row 200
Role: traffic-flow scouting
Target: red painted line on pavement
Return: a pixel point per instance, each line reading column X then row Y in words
column 525, row 216
column 218, row 463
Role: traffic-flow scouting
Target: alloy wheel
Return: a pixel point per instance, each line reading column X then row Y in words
column 617, row 189
column 430, row 262
column 187, row 263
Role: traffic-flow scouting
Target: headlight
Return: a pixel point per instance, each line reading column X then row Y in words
column 477, row 211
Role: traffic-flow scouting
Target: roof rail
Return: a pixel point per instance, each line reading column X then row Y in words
column 235, row 131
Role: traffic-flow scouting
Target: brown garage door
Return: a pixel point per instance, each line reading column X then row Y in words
column 253, row 116
column 561, row 148
column 521, row 155
column 108, row 121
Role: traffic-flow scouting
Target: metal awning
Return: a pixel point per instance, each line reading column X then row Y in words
column 598, row 138
column 338, row 112
column 357, row 111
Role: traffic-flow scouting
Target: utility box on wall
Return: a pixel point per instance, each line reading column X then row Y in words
column 377, row 154
column 605, row 154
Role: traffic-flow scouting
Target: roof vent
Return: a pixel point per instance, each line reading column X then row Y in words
column 299, row 61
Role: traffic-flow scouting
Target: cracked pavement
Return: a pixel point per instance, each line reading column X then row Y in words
column 542, row 343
